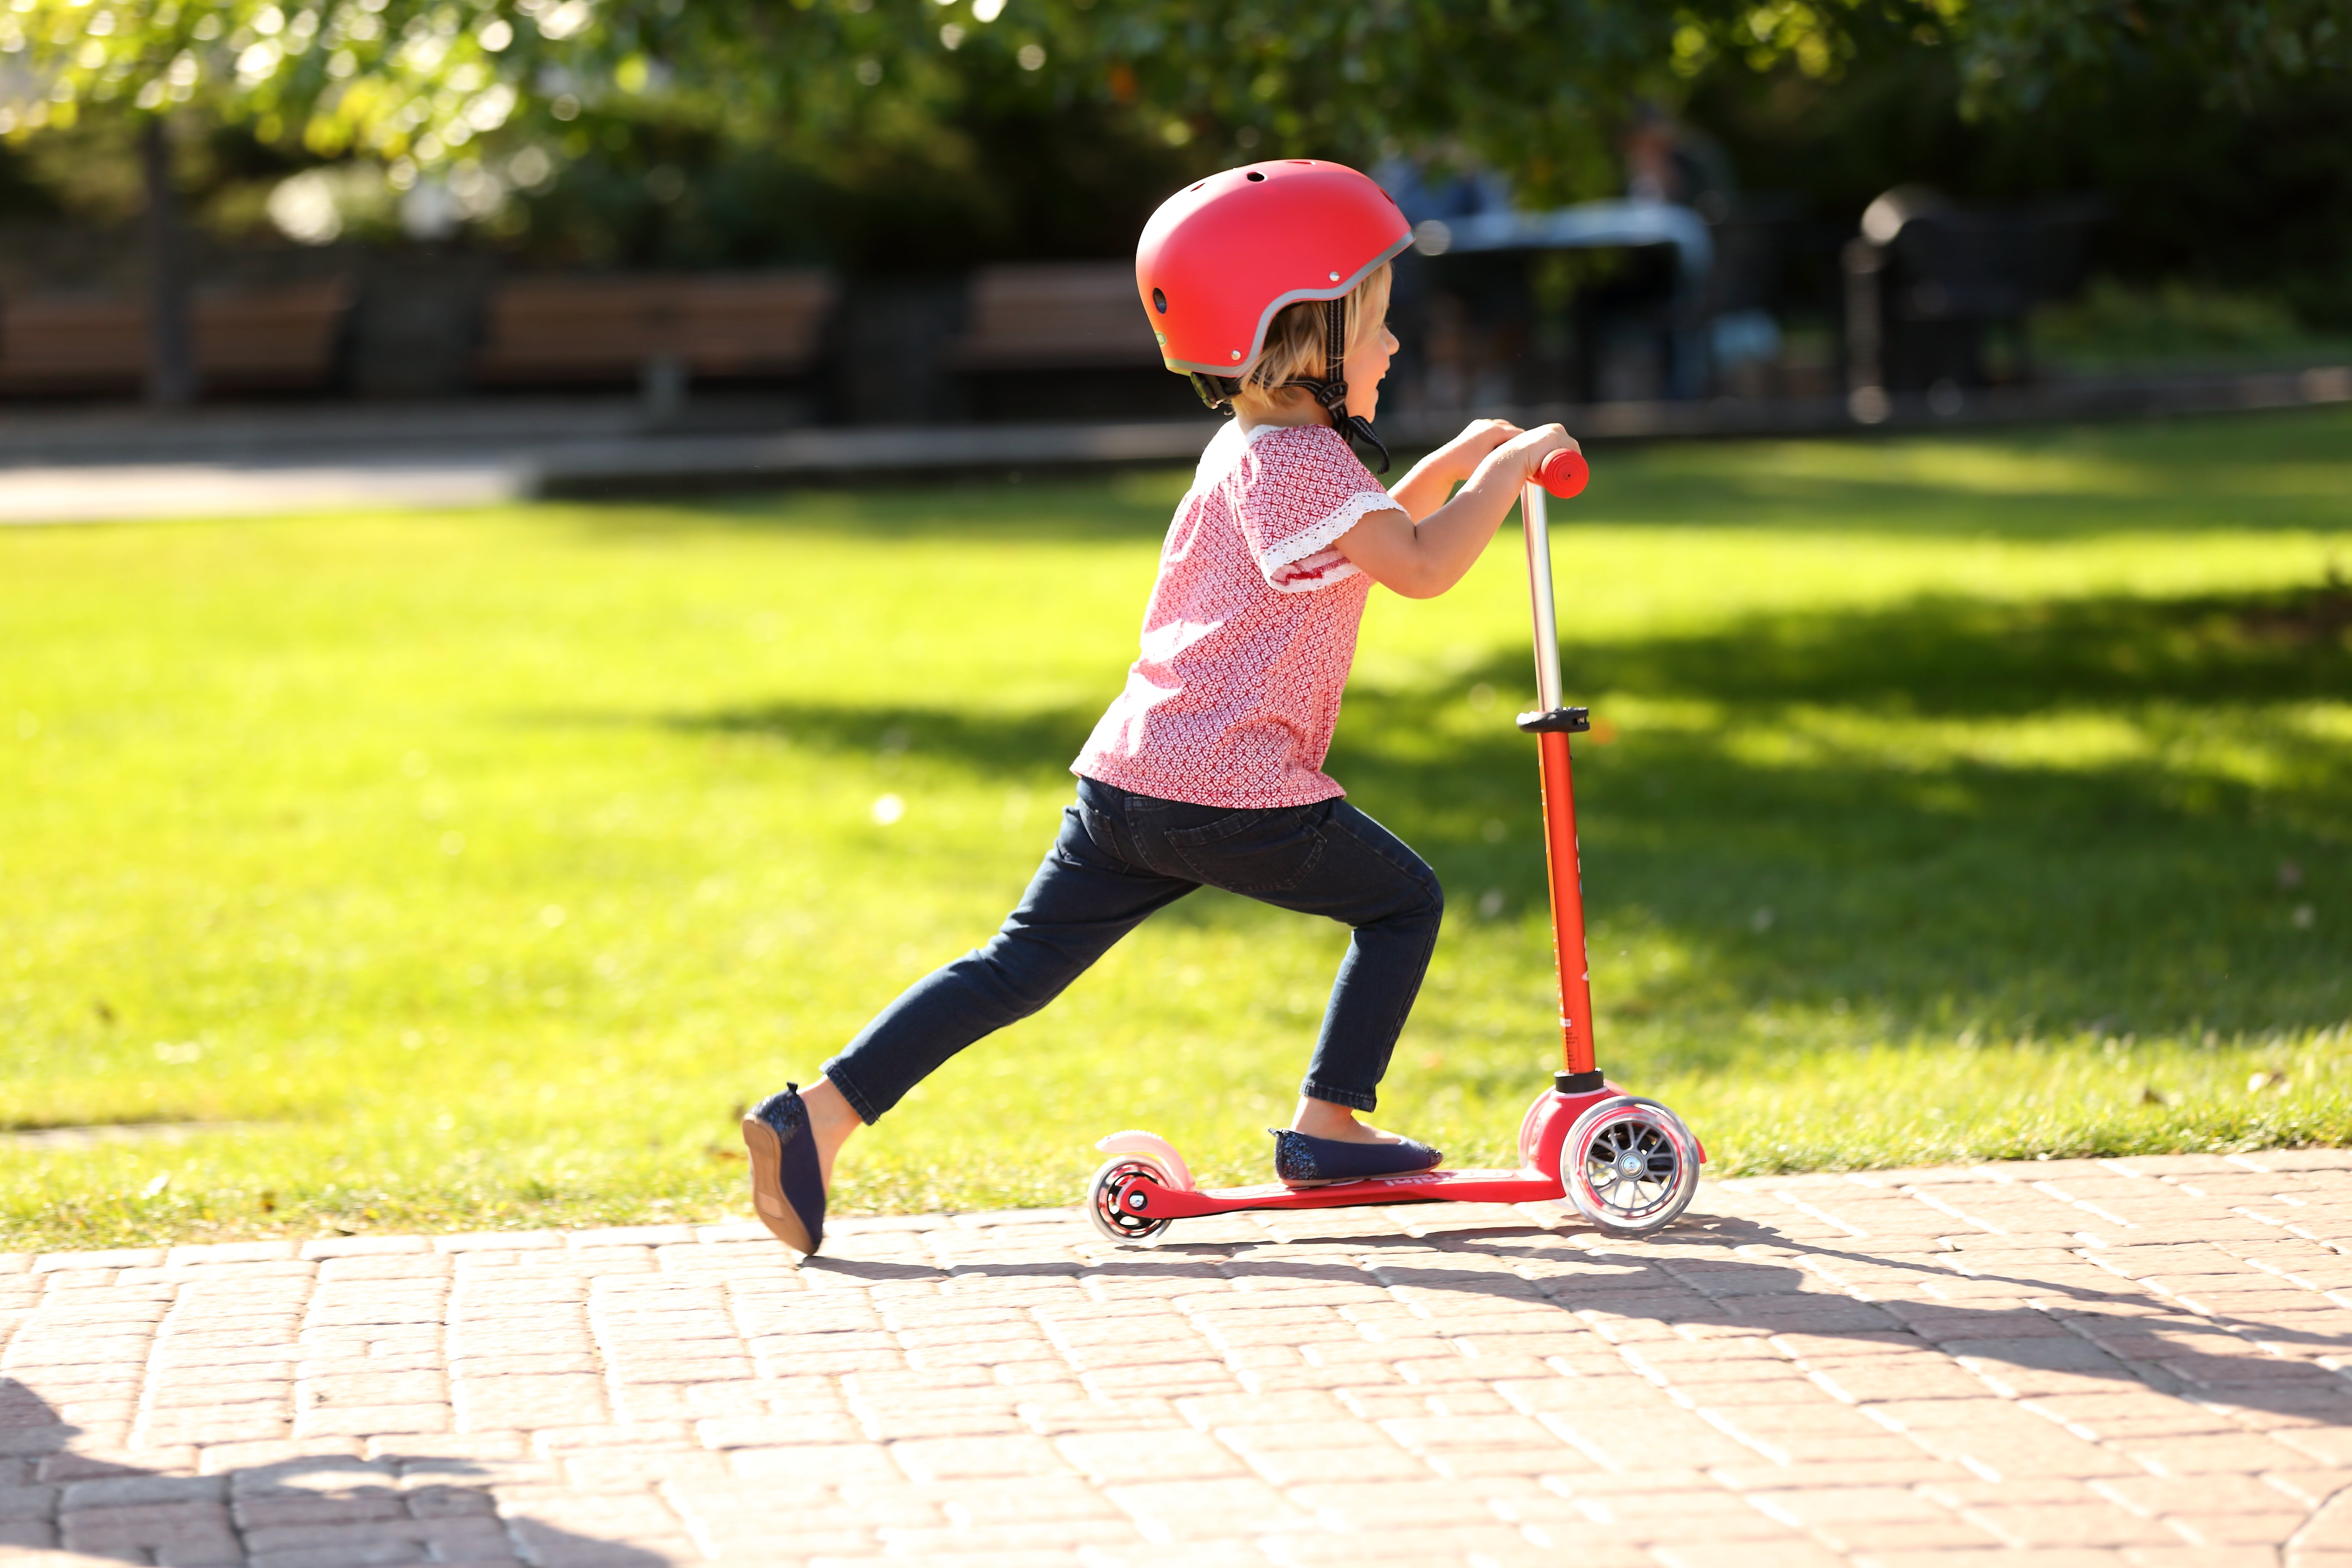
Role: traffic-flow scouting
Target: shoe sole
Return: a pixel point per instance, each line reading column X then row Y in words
column 1343, row 1181
column 768, row 1201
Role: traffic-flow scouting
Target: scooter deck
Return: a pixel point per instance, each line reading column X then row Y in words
column 1418, row 1187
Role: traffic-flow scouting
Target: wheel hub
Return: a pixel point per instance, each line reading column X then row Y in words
column 1121, row 1199
column 1635, row 1166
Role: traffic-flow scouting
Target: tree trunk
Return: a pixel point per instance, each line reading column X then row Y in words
column 171, row 348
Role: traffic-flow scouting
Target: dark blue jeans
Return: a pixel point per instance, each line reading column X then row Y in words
column 1120, row 857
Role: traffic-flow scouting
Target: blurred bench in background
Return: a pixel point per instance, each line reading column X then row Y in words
column 1057, row 316
column 1061, row 340
column 573, row 332
column 280, row 340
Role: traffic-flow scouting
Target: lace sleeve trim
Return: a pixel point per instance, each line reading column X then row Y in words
column 1292, row 567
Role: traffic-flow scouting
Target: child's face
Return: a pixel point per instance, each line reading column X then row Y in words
column 1368, row 362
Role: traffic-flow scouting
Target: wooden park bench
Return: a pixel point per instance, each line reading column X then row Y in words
column 258, row 340
column 1078, row 315
column 580, row 331
column 1062, row 341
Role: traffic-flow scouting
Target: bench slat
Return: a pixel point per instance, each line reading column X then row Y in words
column 283, row 338
column 565, row 328
column 1055, row 316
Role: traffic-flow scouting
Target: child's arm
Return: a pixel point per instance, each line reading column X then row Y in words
column 1425, row 489
column 1421, row 551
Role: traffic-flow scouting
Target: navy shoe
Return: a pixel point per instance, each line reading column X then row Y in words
column 787, row 1188
column 1300, row 1160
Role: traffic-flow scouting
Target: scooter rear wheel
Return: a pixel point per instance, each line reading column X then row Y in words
column 1629, row 1165
column 1110, row 1200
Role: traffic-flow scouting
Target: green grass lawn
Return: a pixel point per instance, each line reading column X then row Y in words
column 1986, row 795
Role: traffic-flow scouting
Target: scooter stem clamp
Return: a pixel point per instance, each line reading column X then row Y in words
column 1559, row 720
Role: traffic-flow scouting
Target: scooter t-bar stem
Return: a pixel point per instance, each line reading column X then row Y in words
column 1562, row 474
column 1535, row 523
column 1567, row 878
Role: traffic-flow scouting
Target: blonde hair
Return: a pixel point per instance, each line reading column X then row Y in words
column 1296, row 346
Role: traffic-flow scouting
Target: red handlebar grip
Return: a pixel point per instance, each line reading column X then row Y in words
column 1563, row 474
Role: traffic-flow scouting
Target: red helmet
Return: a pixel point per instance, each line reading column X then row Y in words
column 1220, row 258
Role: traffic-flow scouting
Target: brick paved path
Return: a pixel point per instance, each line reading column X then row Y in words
column 2129, row 1361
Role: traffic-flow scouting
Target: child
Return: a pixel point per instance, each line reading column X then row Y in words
column 1269, row 287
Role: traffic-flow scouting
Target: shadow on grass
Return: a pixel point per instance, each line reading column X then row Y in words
column 1854, row 821
column 996, row 745
column 1131, row 508
column 1929, row 658
column 1952, row 657
column 2086, row 815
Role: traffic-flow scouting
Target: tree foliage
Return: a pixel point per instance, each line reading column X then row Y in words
column 2012, row 56
column 2015, row 53
column 1532, row 87
column 1521, row 83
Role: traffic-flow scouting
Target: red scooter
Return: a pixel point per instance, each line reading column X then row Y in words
column 1627, row 1164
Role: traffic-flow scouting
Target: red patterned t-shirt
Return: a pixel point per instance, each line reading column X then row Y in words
column 1250, row 630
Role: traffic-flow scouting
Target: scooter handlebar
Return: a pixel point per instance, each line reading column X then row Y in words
column 1563, row 473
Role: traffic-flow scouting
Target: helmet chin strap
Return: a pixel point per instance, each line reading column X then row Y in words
column 1331, row 392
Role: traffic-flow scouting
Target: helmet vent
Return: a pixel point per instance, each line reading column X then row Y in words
column 1160, row 302
column 1254, row 174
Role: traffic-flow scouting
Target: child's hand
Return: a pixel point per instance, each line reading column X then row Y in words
column 1478, row 438
column 1527, row 449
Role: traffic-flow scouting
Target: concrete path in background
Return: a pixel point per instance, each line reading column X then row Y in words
column 2130, row 1363
column 138, row 491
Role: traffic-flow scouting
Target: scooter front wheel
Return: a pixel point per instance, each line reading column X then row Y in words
column 1630, row 1166
column 1112, row 1195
